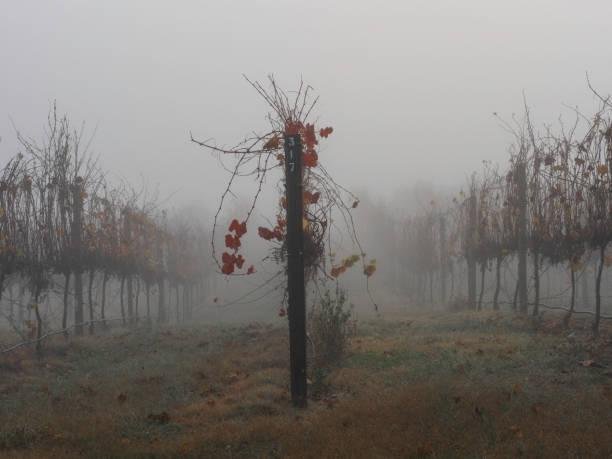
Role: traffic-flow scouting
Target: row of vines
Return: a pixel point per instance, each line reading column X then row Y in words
column 66, row 231
column 549, row 212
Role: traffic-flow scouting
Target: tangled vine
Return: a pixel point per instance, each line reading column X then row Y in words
column 259, row 155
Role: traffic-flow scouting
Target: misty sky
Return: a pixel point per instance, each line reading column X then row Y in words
column 409, row 86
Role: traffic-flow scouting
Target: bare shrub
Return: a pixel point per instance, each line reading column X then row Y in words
column 330, row 326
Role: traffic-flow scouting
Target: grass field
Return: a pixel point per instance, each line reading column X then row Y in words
column 412, row 385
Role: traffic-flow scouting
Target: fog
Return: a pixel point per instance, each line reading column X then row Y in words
column 417, row 93
column 465, row 282
column 410, row 87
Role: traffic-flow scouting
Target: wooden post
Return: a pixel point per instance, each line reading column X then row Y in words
column 600, row 267
column 103, row 301
column 443, row 260
column 521, row 176
column 65, row 303
column 295, row 269
column 161, row 285
column 483, row 269
column 471, row 247
column 90, row 300
column 498, row 262
column 127, row 229
column 536, row 280
column 161, row 300
column 77, row 198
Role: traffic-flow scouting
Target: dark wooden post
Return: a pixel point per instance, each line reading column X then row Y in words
column 471, row 247
column 602, row 262
column 498, row 262
column 161, row 300
column 127, row 230
column 295, row 269
column 443, row 260
column 77, row 227
column 521, row 176
column 161, row 284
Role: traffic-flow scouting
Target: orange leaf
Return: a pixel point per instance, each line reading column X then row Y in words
column 311, row 198
column 272, row 144
column 602, row 169
column 337, row 271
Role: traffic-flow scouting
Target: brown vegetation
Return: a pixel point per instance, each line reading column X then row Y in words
column 417, row 385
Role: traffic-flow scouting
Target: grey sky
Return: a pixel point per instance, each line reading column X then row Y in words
column 409, row 86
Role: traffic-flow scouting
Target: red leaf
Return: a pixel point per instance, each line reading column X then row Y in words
column 242, row 229
column 239, row 228
column 234, row 225
column 232, row 242
column 226, row 258
column 325, row 132
column 310, row 158
column 282, row 312
column 251, row 269
column 265, row 233
column 239, row 261
column 293, row 128
column 310, row 139
column 278, row 234
column 227, row 269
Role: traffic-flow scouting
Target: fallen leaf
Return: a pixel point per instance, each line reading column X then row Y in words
column 161, row 418
column 590, row 364
column 516, row 430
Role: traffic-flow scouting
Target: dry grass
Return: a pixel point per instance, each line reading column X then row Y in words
column 413, row 385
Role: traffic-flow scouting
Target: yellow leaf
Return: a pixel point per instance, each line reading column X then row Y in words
column 602, row 169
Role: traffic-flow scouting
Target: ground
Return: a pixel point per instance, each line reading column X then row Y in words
column 411, row 385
